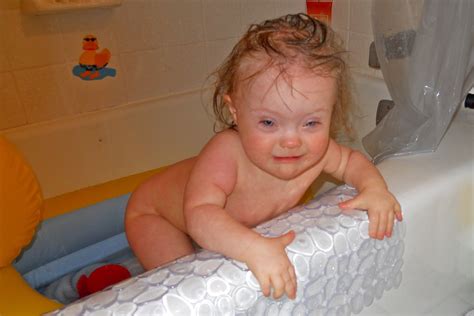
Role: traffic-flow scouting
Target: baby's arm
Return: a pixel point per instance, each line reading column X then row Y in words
column 211, row 181
column 353, row 168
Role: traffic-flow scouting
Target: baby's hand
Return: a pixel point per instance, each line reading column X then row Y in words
column 268, row 261
column 382, row 208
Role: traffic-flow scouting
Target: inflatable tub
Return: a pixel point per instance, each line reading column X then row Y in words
column 423, row 268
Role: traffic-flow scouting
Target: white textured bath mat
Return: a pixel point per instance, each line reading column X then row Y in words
column 340, row 270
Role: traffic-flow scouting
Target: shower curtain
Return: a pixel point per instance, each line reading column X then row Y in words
column 426, row 52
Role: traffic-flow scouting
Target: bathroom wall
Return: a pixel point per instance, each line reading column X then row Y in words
column 78, row 133
column 353, row 22
column 159, row 48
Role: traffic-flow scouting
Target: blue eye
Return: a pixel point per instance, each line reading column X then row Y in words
column 311, row 124
column 267, row 123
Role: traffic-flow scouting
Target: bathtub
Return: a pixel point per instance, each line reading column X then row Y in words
column 436, row 193
column 435, row 189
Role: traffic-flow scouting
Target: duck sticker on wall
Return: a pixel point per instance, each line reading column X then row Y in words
column 93, row 63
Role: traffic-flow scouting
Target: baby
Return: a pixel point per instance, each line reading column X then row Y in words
column 280, row 95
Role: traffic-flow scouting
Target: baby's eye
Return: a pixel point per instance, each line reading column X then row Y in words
column 267, row 123
column 311, row 123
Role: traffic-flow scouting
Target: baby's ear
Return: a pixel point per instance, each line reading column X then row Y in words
column 231, row 107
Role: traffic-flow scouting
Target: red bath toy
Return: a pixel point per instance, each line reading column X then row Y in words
column 101, row 278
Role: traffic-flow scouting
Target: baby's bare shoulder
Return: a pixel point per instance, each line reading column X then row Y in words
column 227, row 141
column 216, row 164
column 226, row 136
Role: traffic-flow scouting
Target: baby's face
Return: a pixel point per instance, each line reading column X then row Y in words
column 284, row 123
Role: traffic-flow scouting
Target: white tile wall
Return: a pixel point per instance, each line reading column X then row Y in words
column 360, row 16
column 45, row 92
column 145, row 74
column 185, row 66
column 221, row 19
column 135, row 26
column 358, row 47
column 4, row 62
column 216, row 52
column 283, row 7
column 340, row 15
column 32, row 41
column 159, row 47
column 255, row 11
column 11, row 111
column 9, row 4
column 177, row 23
column 352, row 20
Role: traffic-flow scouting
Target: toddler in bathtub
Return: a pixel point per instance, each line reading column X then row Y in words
column 280, row 94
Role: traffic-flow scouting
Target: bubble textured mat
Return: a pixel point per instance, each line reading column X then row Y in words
column 340, row 270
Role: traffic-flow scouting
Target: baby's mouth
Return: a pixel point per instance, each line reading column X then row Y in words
column 286, row 159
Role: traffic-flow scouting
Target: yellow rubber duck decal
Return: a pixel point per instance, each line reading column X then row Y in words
column 92, row 63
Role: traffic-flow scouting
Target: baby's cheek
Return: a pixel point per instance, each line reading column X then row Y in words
column 319, row 145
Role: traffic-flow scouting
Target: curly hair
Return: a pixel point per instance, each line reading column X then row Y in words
column 291, row 39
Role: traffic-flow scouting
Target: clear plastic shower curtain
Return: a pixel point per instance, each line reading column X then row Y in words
column 426, row 52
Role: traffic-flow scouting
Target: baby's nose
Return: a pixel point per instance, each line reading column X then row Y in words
column 290, row 140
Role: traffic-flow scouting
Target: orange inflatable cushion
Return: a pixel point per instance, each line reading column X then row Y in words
column 20, row 203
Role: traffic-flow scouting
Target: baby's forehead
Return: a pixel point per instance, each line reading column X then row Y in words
column 297, row 86
column 265, row 74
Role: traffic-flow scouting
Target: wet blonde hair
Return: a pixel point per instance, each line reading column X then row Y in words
column 291, row 39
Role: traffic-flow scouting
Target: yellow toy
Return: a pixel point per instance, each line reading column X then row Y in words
column 22, row 208
column 20, row 212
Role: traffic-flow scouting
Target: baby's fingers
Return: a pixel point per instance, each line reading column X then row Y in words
column 373, row 225
column 283, row 285
column 355, row 203
column 382, row 227
column 287, row 238
column 290, row 287
column 391, row 217
column 278, row 286
column 265, row 285
column 290, row 290
column 398, row 213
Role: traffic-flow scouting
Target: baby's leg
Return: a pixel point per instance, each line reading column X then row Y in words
column 154, row 220
column 155, row 241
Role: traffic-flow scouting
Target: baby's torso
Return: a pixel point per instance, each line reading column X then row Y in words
column 256, row 195
column 257, row 199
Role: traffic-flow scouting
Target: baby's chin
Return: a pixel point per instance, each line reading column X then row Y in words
column 287, row 173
